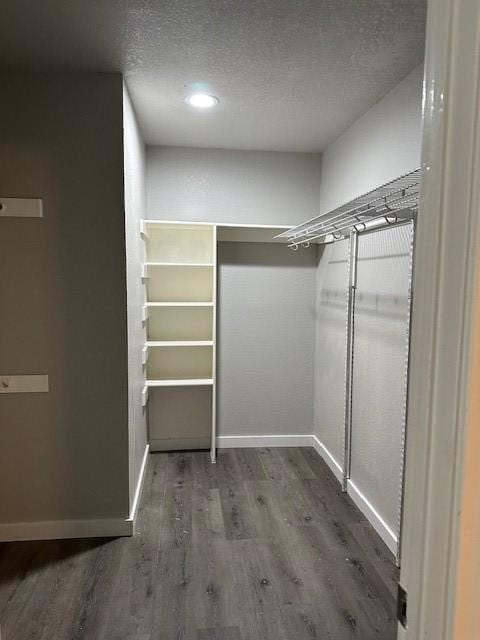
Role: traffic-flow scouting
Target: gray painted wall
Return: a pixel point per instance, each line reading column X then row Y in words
column 331, row 346
column 381, row 145
column 380, row 339
column 266, row 330
column 378, row 147
column 64, row 455
column 134, row 184
column 216, row 185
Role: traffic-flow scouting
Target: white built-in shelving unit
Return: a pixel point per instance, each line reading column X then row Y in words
column 179, row 356
column 180, row 278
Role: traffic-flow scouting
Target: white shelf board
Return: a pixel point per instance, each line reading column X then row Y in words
column 176, row 223
column 192, row 382
column 231, row 232
column 179, row 304
column 179, row 343
column 178, row 264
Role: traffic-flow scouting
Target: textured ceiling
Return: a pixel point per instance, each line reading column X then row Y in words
column 291, row 75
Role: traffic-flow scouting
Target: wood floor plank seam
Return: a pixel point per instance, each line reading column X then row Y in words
column 261, row 546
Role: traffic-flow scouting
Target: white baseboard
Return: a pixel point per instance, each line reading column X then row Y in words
column 327, row 457
column 60, row 529
column 139, row 488
column 234, row 442
column 377, row 522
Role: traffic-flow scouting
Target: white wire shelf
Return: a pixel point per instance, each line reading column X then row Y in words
column 391, row 202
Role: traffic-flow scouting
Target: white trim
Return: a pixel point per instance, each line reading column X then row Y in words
column 213, row 432
column 229, row 225
column 375, row 519
column 447, row 255
column 234, row 225
column 372, row 515
column 139, row 488
column 327, row 457
column 60, row 529
column 233, row 442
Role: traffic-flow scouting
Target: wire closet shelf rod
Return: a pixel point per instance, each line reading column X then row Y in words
column 395, row 201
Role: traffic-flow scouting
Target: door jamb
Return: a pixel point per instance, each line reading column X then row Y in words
column 447, row 255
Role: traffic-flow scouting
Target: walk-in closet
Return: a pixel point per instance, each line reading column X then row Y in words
column 208, row 233
column 245, row 325
column 274, row 294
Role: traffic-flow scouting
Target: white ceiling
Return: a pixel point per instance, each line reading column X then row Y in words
column 290, row 74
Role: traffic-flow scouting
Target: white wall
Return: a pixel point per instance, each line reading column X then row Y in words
column 381, row 145
column 266, row 329
column 378, row 389
column 134, row 185
column 216, row 185
column 331, row 347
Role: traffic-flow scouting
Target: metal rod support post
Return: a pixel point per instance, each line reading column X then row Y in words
column 349, row 358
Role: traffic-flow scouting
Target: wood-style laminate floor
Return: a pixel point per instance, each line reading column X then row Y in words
column 262, row 545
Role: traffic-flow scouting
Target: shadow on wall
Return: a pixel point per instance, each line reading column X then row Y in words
column 386, row 305
column 267, row 254
column 266, row 318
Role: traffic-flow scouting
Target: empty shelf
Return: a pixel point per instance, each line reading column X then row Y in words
column 250, row 233
column 178, row 264
column 179, row 304
column 179, row 343
column 192, row 382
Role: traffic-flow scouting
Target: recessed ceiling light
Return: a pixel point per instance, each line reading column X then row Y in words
column 202, row 100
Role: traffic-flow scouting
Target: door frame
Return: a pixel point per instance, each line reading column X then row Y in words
column 441, row 412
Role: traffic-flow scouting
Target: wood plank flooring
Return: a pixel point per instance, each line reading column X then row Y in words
column 261, row 546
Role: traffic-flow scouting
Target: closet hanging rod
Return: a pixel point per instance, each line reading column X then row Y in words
column 377, row 222
column 387, row 210
column 371, row 209
column 398, row 194
column 392, row 211
column 351, row 221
